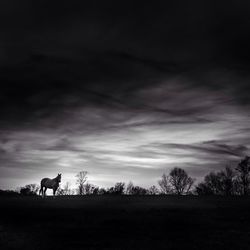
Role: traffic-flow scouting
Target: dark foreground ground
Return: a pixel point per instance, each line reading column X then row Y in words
column 123, row 222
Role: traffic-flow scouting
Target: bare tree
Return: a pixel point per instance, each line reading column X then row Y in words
column 29, row 189
column 101, row 191
column 243, row 169
column 129, row 188
column 89, row 188
column 81, row 179
column 223, row 182
column 203, row 189
column 213, row 183
column 137, row 190
column 117, row 189
column 65, row 190
column 60, row 191
column 180, row 181
column 34, row 188
column 228, row 180
column 96, row 190
column 153, row 190
column 164, row 184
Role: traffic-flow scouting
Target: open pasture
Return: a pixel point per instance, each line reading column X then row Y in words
column 125, row 222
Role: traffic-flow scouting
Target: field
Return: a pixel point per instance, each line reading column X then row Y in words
column 125, row 222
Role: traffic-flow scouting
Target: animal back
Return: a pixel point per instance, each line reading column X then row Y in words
column 47, row 182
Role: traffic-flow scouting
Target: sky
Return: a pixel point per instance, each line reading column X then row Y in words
column 123, row 90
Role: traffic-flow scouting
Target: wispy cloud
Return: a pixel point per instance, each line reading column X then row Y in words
column 205, row 132
column 122, row 96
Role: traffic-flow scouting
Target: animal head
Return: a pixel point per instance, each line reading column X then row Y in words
column 59, row 176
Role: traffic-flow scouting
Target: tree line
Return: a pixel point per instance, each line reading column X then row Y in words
column 229, row 181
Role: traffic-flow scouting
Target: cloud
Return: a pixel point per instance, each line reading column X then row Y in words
column 89, row 86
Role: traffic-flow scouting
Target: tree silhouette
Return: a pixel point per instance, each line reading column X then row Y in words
column 213, row 182
column 223, row 182
column 117, row 189
column 164, row 184
column 153, row 190
column 203, row 189
column 129, row 188
column 89, row 189
column 81, row 179
column 101, row 191
column 96, row 190
column 243, row 169
column 65, row 190
column 137, row 190
column 227, row 180
column 180, row 181
column 8, row 193
column 29, row 189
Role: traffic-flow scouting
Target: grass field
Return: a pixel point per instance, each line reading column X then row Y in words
column 125, row 222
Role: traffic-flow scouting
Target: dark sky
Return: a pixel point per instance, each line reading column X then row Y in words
column 123, row 90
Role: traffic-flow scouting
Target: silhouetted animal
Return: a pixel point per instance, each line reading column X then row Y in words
column 51, row 184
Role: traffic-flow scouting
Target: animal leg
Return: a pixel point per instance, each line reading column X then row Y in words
column 54, row 192
column 40, row 190
column 44, row 192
